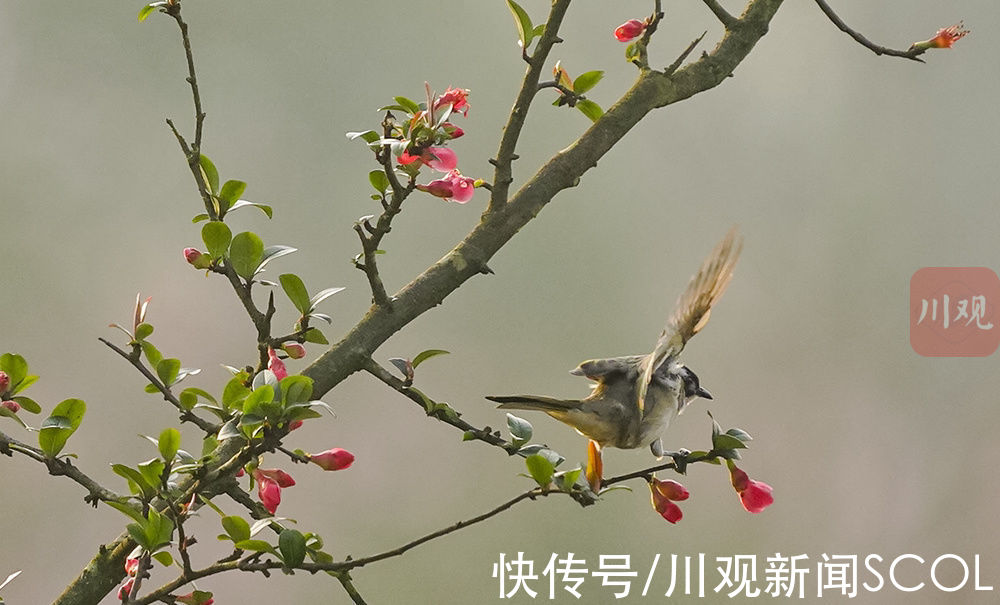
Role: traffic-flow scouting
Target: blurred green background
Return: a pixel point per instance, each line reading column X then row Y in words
column 845, row 171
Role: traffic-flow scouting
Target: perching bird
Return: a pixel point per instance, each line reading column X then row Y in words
column 636, row 397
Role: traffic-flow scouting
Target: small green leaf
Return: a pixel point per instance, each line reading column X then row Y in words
column 149, row 9
column 137, row 481
column 586, row 81
column 425, row 355
column 230, row 430
column 590, row 109
column 726, row 442
column 217, row 237
column 408, row 104
column 12, row 414
column 26, row 382
column 540, row 468
column 27, row 404
column 314, row 336
column 255, row 545
column 568, row 479
column 632, row 51
column 57, row 428
column 293, row 547
column 525, row 30
column 126, row 510
column 165, row 558
column 143, row 331
column 209, row 172
column 378, row 180
column 152, row 471
column 230, row 193
column 273, row 252
column 236, row 528
column 199, row 218
column 234, row 393
column 245, row 253
column 296, row 389
column 368, row 136
column 255, row 402
column 168, row 369
column 266, row 209
column 15, row 366
column 323, row 295
column 739, row 434
column 169, row 443
column 520, row 429
column 153, row 355
column 135, row 530
column 296, row 291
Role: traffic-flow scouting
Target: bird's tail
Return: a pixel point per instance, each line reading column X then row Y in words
column 533, row 402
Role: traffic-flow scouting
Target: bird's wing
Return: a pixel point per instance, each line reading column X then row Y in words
column 693, row 307
column 596, row 369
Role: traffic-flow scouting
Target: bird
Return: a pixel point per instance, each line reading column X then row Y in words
column 636, row 397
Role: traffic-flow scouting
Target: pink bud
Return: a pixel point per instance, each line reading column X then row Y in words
column 131, row 566
column 125, row 589
column 294, row 350
column 11, row 405
column 294, row 425
column 335, row 459
column 276, row 365
column 451, row 130
column 240, row 473
column 279, row 476
column 268, row 491
column 632, row 28
column 192, row 255
column 662, row 494
column 4, row 382
column 755, row 496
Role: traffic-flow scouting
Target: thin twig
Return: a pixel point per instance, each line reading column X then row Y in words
column 345, row 581
column 485, row 435
column 863, row 41
column 687, row 51
column 186, row 415
column 174, row 10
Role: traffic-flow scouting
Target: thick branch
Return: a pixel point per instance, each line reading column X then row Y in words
column 652, row 90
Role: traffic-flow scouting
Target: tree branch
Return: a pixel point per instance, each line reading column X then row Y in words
column 727, row 20
column 863, row 41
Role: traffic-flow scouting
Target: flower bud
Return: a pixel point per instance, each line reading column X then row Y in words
column 755, row 496
column 11, row 405
column 276, row 365
column 632, row 28
column 4, row 382
column 197, row 259
column 335, row 459
column 131, row 566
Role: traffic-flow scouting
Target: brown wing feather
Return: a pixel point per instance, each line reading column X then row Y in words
column 694, row 306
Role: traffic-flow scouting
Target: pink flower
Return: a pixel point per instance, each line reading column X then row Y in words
column 294, row 350
column 457, row 98
column 276, row 365
column 451, row 130
column 453, row 187
column 632, row 28
column 294, row 425
column 4, row 382
column 754, row 495
column 11, row 405
column 335, row 459
column 948, row 36
column 269, row 484
column 125, row 589
column 131, row 566
column 663, row 494
column 441, row 159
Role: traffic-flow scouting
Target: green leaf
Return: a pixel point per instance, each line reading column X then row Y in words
column 590, row 109
column 168, row 369
column 568, row 479
column 266, row 209
column 314, row 336
column 199, row 218
column 257, row 399
column 368, row 136
column 378, row 180
column 152, row 471
column 586, row 81
column 245, row 253
column 292, row 545
column 234, row 393
column 296, row 291
column 273, row 252
column 632, row 51
column 323, row 295
column 236, row 528
column 169, row 443
column 129, row 511
column 540, row 468
column 425, row 355
column 165, row 558
column 158, row 529
column 57, row 428
column 217, row 237
column 296, row 389
column 135, row 530
column 726, row 442
column 153, row 355
column 143, row 331
column 525, row 30
column 137, row 481
column 149, row 9
column 230, row 193
column 255, row 545
column 409, row 105
column 15, row 366
column 230, row 430
column 210, row 173
column 520, row 429
column 739, row 434
column 12, row 414
column 27, row 404
column 26, row 382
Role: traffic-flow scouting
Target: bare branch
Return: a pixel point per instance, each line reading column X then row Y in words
column 728, row 21
column 863, row 41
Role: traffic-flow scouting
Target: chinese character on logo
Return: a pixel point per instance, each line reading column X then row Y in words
column 953, row 311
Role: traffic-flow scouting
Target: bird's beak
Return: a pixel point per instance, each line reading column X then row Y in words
column 703, row 393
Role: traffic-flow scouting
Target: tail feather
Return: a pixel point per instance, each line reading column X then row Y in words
column 533, row 402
